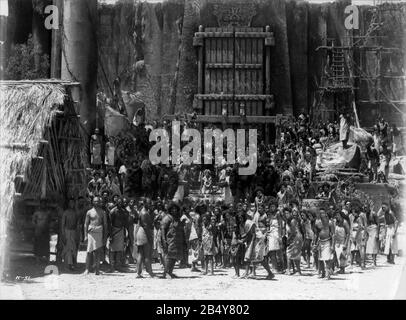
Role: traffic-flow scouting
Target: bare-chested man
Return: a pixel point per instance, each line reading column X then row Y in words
column 70, row 221
column 145, row 239
column 95, row 233
column 41, row 221
column 325, row 244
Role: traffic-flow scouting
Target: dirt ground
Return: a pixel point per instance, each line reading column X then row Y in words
column 29, row 282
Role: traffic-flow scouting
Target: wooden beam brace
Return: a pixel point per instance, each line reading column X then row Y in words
column 247, row 34
column 250, row 97
column 236, row 66
column 229, row 119
column 214, row 34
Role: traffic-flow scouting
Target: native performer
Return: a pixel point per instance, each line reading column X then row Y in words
column 132, row 221
column 344, row 130
column 157, row 232
column 286, row 193
column 195, row 239
column 187, row 224
column 173, row 240
column 391, row 242
column 325, row 244
column 95, row 234
column 145, row 239
column 358, row 226
column 237, row 246
column 228, row 226
column 256, row 246
column 372, row 246
column 274, row 235
column 308, row 236
column 384, row 160
column 118, row 230
column 96, row 143
column 206, row 182
column 294, row 243
column 164, row 181
column 41, row 222
column 372, row 157
column 224, row 183
column 70, row 222
column 341, row 240
column 209, row 242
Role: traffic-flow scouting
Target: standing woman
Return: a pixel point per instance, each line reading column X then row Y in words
column 209, row 235
column 341, row 241
column 372, row 247
column 274, row 236
column 391, row 242
column 173, row 238
column 254, row 252
column 294, row 244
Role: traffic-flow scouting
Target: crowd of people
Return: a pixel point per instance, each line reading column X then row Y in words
column 211, row 217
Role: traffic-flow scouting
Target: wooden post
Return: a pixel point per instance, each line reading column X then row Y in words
column 79, row 54
column 3, row 42
column 44, row 182
column 268, row 43
column 56, row 50
column 198, row 42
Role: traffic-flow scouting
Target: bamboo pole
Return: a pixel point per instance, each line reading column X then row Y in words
column 15, row 145
column 356, row 114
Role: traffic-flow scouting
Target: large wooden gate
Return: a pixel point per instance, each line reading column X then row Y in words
column 234, row 75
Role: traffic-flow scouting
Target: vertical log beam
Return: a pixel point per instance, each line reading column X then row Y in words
column 270, row 41
column 198, row 43
column 3, row 40
column 186, row 86
column 56, row 50
column 79, row 54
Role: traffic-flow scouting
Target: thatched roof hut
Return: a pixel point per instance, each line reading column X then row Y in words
column 42, row 147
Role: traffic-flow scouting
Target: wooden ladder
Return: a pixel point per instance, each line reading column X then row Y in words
column 338, row 67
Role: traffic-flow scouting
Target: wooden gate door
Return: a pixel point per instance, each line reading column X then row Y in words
column 233, row 68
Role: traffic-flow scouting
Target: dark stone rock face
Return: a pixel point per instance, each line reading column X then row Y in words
column 150, row 46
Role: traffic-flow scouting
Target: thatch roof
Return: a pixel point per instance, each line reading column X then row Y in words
column 26, row 109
